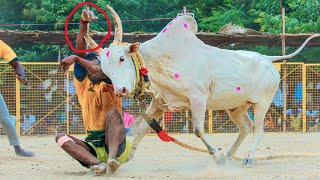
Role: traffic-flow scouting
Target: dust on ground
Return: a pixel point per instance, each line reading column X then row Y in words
column 155, row 159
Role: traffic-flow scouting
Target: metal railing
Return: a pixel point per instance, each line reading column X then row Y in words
column 49, row 104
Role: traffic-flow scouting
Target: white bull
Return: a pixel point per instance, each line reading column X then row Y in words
column 186, row 73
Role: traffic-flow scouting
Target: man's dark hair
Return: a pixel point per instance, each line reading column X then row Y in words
column 91, row 56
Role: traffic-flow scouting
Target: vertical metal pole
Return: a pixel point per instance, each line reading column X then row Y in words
column 187, row 121
column 18, row 107
column 67, row 84
column 284, row 85
column 210, row 121
column 304, row 98
column 68, row 101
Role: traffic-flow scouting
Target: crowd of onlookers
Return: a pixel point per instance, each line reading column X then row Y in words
column 31, row 124
column 293, row 111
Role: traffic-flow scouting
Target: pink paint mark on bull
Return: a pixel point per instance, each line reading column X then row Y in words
column 164, row 30
column 185, row 25
column 177, row 75
column 108, row 54
column 238, row 88
column 170, row 23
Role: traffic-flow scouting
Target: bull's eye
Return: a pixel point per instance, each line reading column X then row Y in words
column 121, row 59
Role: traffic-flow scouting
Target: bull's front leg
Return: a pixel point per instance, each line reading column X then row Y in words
column 198, row 108
column 152, row 114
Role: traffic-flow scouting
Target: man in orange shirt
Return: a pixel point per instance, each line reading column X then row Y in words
column 105, row 147
column 10, row 56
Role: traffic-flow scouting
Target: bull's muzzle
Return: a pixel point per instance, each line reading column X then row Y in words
column 122, row 92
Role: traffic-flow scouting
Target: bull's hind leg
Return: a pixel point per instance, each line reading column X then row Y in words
column 260, row 111
column 241, row 118
column 198, row 108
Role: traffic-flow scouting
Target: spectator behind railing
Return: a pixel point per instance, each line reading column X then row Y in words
column 312, row 114
column 71, row 86
column 278, row 98
column 128, row 119
column 27, row 120
column 298, row 94
column 295, row 119
column 277, row 104
column 269, row 123
column 310, row 91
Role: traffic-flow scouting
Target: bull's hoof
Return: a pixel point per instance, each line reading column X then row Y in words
column 247, row 160
column 221, row 160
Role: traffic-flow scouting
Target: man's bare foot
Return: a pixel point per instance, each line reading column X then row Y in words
column 113, row 165
column 21, row 152
column 100, row 168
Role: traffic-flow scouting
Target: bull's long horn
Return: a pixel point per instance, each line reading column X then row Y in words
column 91, row 43
column 117, row 26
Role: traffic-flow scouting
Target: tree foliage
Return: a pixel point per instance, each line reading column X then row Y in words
column 302, row 16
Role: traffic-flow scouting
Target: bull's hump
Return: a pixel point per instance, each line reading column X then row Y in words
column 190, row 21
column 178, row 24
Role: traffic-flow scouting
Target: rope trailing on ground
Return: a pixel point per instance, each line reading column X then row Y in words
column 182, row 144
column 281, row 156
column 256, row 158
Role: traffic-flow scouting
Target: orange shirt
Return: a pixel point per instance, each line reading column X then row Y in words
column 6, row 52
column 95, row 101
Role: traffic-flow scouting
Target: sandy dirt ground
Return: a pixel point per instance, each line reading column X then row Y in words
column 158, row 160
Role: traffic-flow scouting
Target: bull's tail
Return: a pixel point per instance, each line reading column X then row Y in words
column 277, row 58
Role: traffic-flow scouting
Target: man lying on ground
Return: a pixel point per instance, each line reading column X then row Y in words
column 106, row 146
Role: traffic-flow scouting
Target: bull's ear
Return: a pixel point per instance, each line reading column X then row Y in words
column 133, row 48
